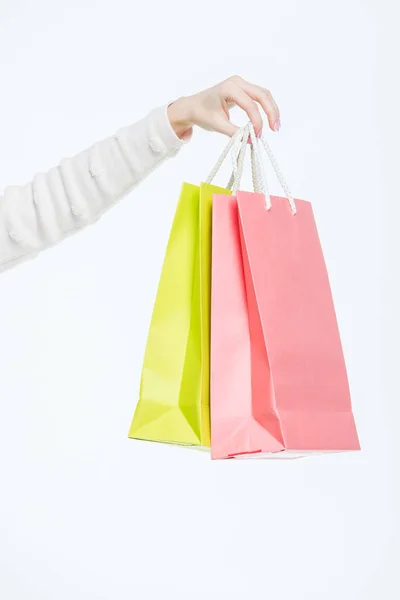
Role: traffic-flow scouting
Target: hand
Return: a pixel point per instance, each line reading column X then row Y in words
column 210, row 109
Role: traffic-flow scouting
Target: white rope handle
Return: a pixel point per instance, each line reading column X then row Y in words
column 238, row 158
column 278, row 174
column 224, row 154
column 238, row 154
column 235, row 154
column 258, row 172
column 238, row 144
column 238, row 161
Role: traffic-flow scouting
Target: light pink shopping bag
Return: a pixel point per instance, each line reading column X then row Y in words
column 279, row 385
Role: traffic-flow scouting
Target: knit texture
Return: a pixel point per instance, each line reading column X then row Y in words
column 80, row 189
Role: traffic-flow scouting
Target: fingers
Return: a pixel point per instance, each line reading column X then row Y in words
column 225, row 126
column 264, row 97
column 255, row 93
column 236, row 94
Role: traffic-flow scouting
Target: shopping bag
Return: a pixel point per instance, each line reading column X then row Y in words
column 279, row 385
column 174, row 403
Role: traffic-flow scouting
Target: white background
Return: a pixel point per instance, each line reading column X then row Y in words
column 86, row 513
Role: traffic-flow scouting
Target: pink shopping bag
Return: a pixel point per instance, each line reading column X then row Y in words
column 279, row 385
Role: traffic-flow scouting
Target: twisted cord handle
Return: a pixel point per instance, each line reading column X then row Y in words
column 238, row 144
column 279, row 174
column 223, row 155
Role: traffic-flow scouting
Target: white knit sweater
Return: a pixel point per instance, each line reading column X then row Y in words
column 80, row 189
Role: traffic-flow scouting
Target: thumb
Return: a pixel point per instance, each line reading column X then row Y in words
column 226, row 127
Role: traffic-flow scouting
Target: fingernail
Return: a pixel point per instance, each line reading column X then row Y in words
column 277, row 124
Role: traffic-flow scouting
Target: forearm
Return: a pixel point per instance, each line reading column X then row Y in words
column 79, row 190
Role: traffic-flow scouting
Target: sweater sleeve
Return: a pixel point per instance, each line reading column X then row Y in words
column 80, row 189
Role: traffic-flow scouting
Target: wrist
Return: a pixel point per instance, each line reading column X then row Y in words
column 180, row 118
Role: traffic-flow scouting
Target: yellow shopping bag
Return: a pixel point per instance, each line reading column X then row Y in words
column 174, row 402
